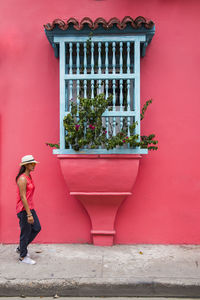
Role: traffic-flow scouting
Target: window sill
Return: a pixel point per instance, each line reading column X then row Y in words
column 101, row 151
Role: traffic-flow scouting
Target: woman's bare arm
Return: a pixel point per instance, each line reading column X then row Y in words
column 22, row 190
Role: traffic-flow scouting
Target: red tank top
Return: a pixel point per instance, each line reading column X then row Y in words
column 30, row 187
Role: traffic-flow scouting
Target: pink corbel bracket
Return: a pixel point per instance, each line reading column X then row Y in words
column 101, row 183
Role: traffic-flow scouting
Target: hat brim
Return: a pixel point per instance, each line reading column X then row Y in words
column 29, row 162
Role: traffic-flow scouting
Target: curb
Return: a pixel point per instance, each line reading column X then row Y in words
column 79, row 287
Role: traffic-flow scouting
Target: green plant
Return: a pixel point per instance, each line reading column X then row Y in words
column 84, row 127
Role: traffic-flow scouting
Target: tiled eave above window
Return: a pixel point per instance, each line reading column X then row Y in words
column 136, row 24
column 72, row 27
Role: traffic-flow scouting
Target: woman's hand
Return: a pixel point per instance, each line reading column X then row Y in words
column 30, row 219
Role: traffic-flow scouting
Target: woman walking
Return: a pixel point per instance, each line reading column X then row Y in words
column 28, row 220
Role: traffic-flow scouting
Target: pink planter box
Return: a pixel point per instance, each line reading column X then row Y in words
column 100, row 183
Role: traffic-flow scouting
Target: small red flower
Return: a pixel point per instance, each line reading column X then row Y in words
column 91, row 127
column 77, row 127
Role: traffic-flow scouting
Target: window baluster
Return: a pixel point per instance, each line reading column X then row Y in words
column 92, row 88
column 85, row 58
column 107, row 118
column 128, row 124
column 85, row 88
column 85, row 131
column 99, row 86
column 114, row 108
column 78, row 88
column 77, row 58
column 85, row 68
column 121, row 58
column 78, row 100
column 128, row 95
column 114, row 96
column 128, row 106
column 92, row 57
column 66, row 96
column 106, row 57
column 121, row 102
column 99, row 58
column 107, row 88
column 70, row 94
column 70, row 58
column 114, row 58
column 128, row 57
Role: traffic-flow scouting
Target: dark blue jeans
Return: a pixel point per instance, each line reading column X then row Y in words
column 28, row 231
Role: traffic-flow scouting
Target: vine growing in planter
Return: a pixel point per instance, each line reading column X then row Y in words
column 84, row 127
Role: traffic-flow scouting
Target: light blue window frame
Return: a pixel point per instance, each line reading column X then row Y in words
column 138, row 41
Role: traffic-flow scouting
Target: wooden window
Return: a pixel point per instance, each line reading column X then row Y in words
column 102, row 63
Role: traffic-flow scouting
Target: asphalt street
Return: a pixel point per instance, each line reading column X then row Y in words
column 94, row 298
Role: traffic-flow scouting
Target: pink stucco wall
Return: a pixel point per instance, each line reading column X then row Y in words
column 165, row 206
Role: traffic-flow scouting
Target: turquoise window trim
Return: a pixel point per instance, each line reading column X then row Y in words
column 100, row 31
column 116, row 38
column 101, row 151
column 139, row 39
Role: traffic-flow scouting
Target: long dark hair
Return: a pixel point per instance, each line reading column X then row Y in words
column 21, row 171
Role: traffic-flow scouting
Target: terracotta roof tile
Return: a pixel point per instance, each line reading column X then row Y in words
column 137, row 23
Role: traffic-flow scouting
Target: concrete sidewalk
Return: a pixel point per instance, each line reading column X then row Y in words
column 86, row 270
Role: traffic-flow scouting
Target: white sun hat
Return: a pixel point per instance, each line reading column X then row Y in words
column 28, row 159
